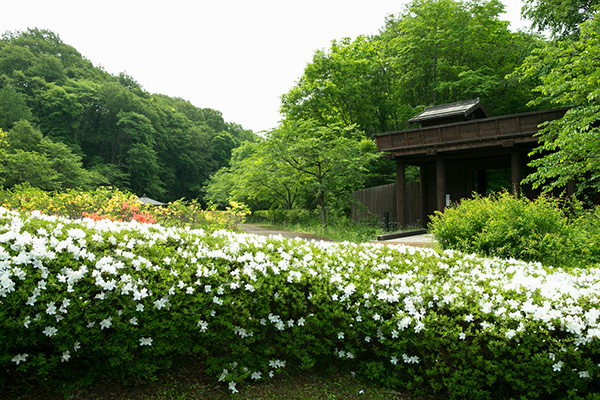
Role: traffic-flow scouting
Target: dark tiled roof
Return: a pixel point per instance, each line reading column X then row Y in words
column 443, row 111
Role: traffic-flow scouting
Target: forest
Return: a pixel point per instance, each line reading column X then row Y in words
column 68, row 124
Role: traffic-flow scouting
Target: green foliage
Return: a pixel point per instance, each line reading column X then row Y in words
column 543, row 230
column 561, row 18
column 569, row 73
column 121, row 134
column 301, row 164
column 12, row 107
column 419, row 58
column 115, row 205
column 29, row 157
column 329, row 160
column 86, row 299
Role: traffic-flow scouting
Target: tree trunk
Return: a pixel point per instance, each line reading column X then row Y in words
column 323, row 210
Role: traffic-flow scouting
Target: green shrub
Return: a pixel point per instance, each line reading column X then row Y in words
column 116, row 205
column 546, row 229
column 86, row 298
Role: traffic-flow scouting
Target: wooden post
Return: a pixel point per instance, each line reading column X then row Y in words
column 400, row 194
column 440, row 187
column 515, row 172
column 423, row 190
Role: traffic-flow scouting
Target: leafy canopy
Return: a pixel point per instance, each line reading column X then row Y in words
column 569, row 71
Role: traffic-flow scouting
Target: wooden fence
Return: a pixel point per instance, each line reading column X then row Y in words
column 378, row 204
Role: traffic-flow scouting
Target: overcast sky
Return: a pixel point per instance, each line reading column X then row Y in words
column 235, row 56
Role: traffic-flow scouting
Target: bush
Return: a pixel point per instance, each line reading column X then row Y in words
column 546, row 229
column 115, row 205
column 88, row 298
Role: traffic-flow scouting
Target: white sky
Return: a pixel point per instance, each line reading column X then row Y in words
column 235, row 56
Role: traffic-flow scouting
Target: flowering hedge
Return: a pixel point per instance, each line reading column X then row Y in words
column 88, row 297
column 113, row 204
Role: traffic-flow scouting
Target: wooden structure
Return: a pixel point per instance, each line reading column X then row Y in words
column 454, row 147
column 379, row 203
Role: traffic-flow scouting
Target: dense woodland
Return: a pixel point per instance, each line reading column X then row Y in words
column 69, row 124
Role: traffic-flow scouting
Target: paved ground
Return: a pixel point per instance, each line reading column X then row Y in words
column 267, row 231
column 425, row 240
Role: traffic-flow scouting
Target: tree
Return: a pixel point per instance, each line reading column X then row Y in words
column 257, row 178
column 561, row 17
column 13, row 107
column 330, row 160
column 569, row 147
column 28, row 156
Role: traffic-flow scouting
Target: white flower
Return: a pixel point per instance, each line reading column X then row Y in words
column 19, row 358
column 105, row 323
column 301, row 322
column 558, row 366
column 160, row 304
column 367, row 339
column 394, row 360
column 510, row 333
column 469, row 318
column 584, row 374
column 256, row 376
column 223, row 375
column 51, row 308
column 146, row 341
column 276, row 364
column 340, row 335
column 50, row 331
column 232, row 387
column 410, row 360
column 462, row 336
column 27, row 321
column 139, row 307
column 77, row 346
column 65, row 356
column 133, row 321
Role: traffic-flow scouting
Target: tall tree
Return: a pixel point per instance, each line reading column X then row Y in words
column 570, row 76
column 560, row 17
column 330, row 160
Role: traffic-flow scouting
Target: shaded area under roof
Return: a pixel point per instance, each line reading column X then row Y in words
column 452, row 112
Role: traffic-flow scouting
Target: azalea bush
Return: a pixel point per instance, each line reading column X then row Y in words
column 548, row 230
column 116, row 205
column 85, row 298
